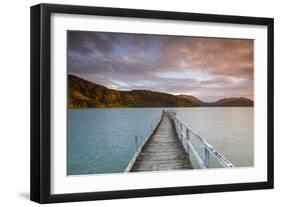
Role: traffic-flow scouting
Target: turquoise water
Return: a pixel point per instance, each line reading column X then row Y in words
column 228, row 129
column 103, row 140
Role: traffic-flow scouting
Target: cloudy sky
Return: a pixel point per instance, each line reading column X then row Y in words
column 208, row 68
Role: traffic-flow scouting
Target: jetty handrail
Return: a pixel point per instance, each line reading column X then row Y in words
column 184, row 133
column 140, row 148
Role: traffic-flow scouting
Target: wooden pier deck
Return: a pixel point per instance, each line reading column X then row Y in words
column 163, row 150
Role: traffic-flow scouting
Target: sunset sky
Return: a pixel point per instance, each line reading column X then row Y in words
column 208, row 68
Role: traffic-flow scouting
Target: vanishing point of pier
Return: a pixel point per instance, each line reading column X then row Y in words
column 170, row 146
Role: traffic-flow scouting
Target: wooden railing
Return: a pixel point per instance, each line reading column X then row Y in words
column 184, row 133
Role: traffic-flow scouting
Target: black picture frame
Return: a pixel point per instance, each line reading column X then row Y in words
column 40, row 184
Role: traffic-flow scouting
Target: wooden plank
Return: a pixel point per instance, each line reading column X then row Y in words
column 163, row 150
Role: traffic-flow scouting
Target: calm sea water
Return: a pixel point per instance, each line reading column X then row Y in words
column 103, row 140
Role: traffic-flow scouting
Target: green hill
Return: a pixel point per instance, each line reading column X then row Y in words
column 85, row 94
column 232, row 102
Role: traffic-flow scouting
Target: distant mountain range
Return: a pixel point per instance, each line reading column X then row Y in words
column 85, row 94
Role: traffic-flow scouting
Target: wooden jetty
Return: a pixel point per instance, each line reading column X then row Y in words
column 169, row 146
column 163, row 150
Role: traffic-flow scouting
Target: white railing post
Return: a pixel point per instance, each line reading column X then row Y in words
column 187, row 138
column 177, row 126
column 180, row 129
column 206, row 157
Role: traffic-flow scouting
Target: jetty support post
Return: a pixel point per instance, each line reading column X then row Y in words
column 206, row 157
column 136, row 143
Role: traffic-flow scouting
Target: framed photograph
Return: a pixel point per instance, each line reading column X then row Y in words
column 133, row 103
